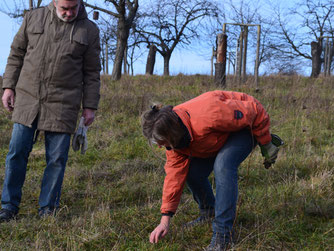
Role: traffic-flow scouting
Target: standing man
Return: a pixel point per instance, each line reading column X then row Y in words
column 52, row 69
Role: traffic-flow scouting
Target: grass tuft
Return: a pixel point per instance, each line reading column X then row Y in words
column 111, row 195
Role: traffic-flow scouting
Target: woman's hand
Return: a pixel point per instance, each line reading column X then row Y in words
column 161, row 230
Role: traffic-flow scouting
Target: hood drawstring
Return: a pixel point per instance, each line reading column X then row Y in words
column 52, row 16
column 72, row 31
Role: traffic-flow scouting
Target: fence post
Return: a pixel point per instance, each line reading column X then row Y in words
column 239, row 57
column 125, row 60
column 329, row 49
column 244, row 58
column 256, row 71
column 107, row 59
column 212, row 59
column 96, row 15
column 220, row 66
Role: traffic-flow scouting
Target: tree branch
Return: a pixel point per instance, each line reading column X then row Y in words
column 102, row 9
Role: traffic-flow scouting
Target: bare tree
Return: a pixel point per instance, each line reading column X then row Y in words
column 303, row 38
column 108, row 33
column 135, row 50
column 125, row 12
column 248, row 12
column 168, row 23
column 17, row 8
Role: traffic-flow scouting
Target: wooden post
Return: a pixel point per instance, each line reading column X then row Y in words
column 107, row 58
column 236, row 57
column 125, row 60
column 240, row 55
column 325, row 57
column 212, row 59
column 244, row 58
column 31, row 4
column 256, row 73
column 229, row 62
column 220, row 66
column 96, row 15
column 151, row 59
column 328, row 45
column 331, row 52
column 103, row 58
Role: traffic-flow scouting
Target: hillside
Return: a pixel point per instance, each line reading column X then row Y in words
column 111, row 195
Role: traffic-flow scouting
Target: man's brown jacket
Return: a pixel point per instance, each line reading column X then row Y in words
column 54, row 68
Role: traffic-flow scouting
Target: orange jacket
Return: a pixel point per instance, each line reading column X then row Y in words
column 210, row 118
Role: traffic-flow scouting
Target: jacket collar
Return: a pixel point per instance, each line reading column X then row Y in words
column 185, row 117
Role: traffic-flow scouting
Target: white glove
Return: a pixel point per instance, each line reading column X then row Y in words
column 80, row 137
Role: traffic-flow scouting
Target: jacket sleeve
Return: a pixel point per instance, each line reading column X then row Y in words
column 176, row 169
column 16, row 56
column 241, row 112
column 91, row 71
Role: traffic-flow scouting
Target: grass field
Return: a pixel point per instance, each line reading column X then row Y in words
column 112, row 194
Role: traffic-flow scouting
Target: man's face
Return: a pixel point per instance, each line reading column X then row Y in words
column 67, row 10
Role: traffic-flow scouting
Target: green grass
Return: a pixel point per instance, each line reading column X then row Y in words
column 111, row 195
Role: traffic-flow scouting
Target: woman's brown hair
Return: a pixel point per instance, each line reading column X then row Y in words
column 161, row 124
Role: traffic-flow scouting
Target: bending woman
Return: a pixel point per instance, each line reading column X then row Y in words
column 215, row 131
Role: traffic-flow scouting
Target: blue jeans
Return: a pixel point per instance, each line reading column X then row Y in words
column 225, row 166
column 56, row 151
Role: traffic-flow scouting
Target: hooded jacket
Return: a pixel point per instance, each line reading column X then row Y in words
column 54, row 68
column 209, row 119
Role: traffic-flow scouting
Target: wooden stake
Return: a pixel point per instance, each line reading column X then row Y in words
column 107, row 59
column 244, row 58
column 220, row 66
column 256, row 73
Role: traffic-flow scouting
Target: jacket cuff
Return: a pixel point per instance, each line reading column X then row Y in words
column 169, row 208
column 92, row 108
column 6, row 85
column 171, row 214
column 264, row 139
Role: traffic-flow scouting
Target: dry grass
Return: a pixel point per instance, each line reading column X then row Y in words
column 111, row 195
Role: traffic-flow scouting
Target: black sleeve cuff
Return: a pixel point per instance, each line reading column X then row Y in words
column 171, row 214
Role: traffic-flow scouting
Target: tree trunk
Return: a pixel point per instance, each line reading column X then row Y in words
column 119, row 55
column 316, row 50
column 151, row 60
column 166, row 64
column 122, row 39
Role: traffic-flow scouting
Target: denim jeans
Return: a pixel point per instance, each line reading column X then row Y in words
column 225, row 166
column 56, row 151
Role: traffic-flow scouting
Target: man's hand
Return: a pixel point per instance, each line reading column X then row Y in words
column 8, row 99
column 161, row 230
column 89, row 115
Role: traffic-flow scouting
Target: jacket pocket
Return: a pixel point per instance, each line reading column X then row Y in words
column 79, row 42
column 34, row 35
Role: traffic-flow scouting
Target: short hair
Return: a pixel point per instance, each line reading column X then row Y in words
column 79, row 1
column 162, row 124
